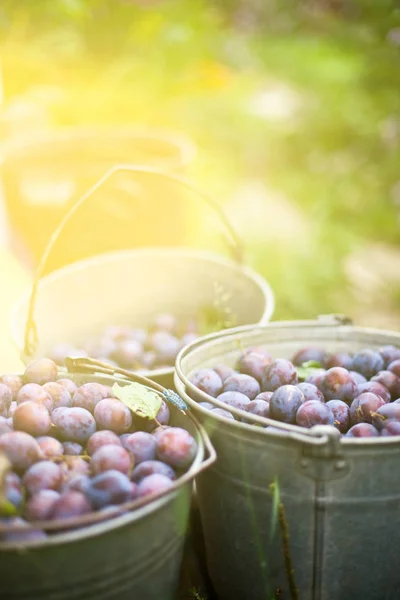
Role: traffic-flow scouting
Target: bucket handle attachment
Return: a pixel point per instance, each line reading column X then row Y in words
column 233, row 241
column 92, row 366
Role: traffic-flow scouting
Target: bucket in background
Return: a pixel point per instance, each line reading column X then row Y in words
column 135, row 555
column 300, row 514
column 131, row 287
column 43, row 174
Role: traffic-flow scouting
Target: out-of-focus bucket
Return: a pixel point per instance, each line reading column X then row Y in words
column 297, row 514
column 43, row 174
column 135, row 555
column 131, row 287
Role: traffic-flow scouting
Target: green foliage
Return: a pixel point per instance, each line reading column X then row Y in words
column 197, row 66
column 308, row 368
column 6, row 508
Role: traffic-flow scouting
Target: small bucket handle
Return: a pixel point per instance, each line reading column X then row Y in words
column 92, row 367
column 235, row 245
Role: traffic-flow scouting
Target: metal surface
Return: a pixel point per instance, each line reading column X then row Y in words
column 44, row 172
column 136, row 555
column 336, row 533
column 133, row 286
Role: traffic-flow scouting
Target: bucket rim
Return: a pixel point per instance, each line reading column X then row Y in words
column 15, row 148
column 288, row 431
column 103, row 526
column 109, row 257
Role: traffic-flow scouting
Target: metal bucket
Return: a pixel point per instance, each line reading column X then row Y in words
column 135, row 555
column 133, row 286
column 43, row 174
column 299, row 514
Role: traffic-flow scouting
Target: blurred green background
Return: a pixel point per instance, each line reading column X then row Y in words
column 294, row 107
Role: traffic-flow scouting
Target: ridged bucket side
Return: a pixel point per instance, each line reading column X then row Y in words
column 334, row 534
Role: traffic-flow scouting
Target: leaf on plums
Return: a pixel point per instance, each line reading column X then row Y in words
column 139, row 399
column 6, row 508
column 308, row 368
column 175, row 399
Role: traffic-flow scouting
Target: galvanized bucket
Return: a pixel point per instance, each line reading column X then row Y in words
column 43, row 173
column 135, row 555
column 298, row 514
column 133, row 286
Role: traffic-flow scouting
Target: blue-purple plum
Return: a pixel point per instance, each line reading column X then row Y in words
column 223, row 413
column 341, row 414
column 101, row 438
column 253, row 364
column 390, row 381
column 311, row 392
column 278, row 373
column 305, row 355
column 234, row 399
column 153, row 484
column 338, row 359
column 394, row 367
column 151, row 467
column 177, row 447
column 285, row 402
column 142, row 446
column 314, row 412
column 358, row 377
column 338, row 384
column 385, row 412
column 367, row 362
column 375, row 388
column 362, row 430
column 390, row 428
column 40, row 371
column 44, row 475
column 208, row 381
column 112, row 458
column 389, row 354
column 223, row 371
column 259, row 407
column 110, row 487
column 364, row 406
column 245, row 384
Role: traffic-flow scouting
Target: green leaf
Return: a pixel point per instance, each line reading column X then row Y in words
column 6, row 508
column 308, row 368
column 139, row 399
column 312, row 364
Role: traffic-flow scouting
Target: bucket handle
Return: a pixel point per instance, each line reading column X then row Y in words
column 233, row 241
column 321, row 437
column 92, row 366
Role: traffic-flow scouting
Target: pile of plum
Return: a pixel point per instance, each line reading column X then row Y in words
column 135, row 349
column 357, row 393
column 74, row 450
